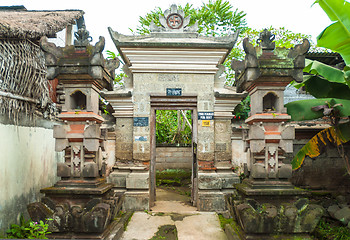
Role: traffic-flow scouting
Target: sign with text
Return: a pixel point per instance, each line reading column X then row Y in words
column 205, row 123
column 205, row 115
column 174, row 92
column 140, row 138
column 140, row 121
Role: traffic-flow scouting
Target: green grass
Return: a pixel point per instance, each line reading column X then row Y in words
column 331, row 231
column 127, row 222
column 167, row 232
column 173, row 177
column 224, row 221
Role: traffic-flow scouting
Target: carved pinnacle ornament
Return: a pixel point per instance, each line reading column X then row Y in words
column 265, row 40
column 174, row 20
column 83, row 37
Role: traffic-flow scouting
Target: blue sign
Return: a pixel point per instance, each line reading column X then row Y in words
column 174, row 92
column 140, row 138
column 205, row 115
column 140, row 121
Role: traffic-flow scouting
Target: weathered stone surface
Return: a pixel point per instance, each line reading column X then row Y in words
column 209, row 181
column 211, row 201
column 92, row 203
column 137, row 181
column 341, row 200
column 343, row 215
column 48, row 202
column 136, row 201
column 228, row 182
column 92, row 131
column 63, row 170
column 258, row 171
column 90, row 170
column 97, row 218
column 285, row 171
column 118, row 179
column 268, row 218
column 39, row 211
column 91, row 144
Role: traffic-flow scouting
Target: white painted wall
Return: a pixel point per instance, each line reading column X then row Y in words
column 27, row 164
column 239, row 157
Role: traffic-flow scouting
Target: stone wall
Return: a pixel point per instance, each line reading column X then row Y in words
column 173, row 158
column 324, row 172
column 28, row 163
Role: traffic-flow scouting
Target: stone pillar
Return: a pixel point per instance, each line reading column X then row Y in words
column 268, row 193
column 218, row 179
column 131, row 173
column 81, row 202
column 121, row 102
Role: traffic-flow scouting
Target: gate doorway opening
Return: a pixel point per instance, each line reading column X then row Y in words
column 174, row 155
column 173, row 170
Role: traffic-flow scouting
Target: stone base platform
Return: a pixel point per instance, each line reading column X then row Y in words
column 212, row 188
column 113, row 232
column 237, row 234
column 267, row 209
column 74, row 208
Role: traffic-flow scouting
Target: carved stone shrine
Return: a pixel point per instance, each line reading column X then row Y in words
column 267, row 203
column 81, row 204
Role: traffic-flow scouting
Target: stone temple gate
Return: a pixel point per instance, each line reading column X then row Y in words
column 173, row 68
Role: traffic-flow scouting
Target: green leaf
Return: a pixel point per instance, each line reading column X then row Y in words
column 336, row 36
column 325, row 81
column 334, row 136
column 320, row 87
column 330, row 73
column 301, row 110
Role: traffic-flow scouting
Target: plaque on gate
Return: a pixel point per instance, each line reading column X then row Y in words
column 174, row 92
column 205, row 115
column 140, row 121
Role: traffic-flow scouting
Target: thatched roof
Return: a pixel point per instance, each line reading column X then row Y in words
column 34, row 24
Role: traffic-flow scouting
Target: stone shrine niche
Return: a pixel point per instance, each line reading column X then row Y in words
column 270, row 103
column 78, row 100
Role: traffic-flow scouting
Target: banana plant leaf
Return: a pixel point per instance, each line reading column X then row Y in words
column 317, row 144
column 330, row 73
column 336, row 36
column 319, row 87
column 301, row 110
column 325, row 81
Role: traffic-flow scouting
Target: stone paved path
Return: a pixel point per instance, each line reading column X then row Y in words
column 190, row 224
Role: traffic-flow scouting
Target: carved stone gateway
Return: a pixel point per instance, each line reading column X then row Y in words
column 81, row 204
column 173, row 68
column 268, row 202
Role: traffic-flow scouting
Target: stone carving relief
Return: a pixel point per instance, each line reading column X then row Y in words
column 174, row 20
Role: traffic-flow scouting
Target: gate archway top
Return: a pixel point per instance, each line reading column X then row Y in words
column 174, row 47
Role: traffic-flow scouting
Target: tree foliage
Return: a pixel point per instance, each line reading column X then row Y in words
column 172, row 128
column 215, row 18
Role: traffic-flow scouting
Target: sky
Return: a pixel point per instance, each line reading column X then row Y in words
column 296, row 15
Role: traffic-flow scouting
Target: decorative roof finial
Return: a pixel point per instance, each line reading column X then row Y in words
column 174, row 20
column 265, row 40
column 82, row 37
